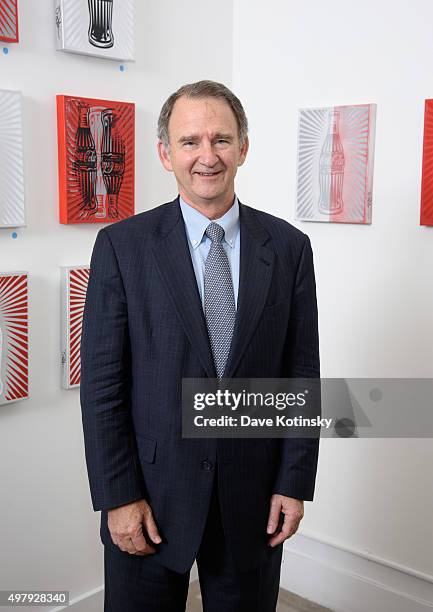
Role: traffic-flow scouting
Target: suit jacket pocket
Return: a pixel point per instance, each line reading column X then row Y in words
column 146, row 448
column 283, row 305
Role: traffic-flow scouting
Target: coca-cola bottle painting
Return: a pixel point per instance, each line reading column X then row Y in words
column 97, row 134
column 96, row 159
column 113, row 162
column 331, row 169
column 101, row 23
column 85, row 162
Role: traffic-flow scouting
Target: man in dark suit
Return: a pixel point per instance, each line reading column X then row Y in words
column 203, row 286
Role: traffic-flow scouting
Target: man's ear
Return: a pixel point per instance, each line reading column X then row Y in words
column 164, row 156
column 244, row 151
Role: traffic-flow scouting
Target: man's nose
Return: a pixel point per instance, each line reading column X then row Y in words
column 207, row 155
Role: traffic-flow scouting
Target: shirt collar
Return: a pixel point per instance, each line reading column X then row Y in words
column 196, row 223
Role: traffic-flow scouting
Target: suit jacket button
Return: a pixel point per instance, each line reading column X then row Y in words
column 207, row 465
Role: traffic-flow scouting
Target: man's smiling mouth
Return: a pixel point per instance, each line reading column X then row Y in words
column 208, row 173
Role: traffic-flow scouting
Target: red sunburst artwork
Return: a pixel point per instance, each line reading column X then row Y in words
column 96, row 159
column 9, row 21
column 74, row 288
column 14, row 350
column 427, row 167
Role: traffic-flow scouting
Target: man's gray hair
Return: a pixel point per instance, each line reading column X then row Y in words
column 202, row 89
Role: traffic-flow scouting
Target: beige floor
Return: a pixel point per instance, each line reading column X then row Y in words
column 287, row 602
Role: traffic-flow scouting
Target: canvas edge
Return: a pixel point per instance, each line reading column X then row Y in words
column 64, row 327
column 424, row 219
column 60, row 38
column 61, row 146
column 370, row 166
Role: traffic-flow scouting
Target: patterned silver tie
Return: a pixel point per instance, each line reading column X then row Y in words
column 219, row 299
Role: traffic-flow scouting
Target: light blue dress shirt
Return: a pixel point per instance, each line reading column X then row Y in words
column 199, row 243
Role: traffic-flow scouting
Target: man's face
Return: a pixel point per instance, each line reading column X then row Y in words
column 204, row 151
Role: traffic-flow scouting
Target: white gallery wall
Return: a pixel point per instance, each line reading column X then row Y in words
column 367, row 540
column 49, row 533
column 374, row 498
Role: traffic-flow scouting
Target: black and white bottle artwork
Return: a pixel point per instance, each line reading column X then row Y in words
column 102, row 28
column 101, row 23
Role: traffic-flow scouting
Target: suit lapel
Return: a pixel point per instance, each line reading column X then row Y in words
column 173, row 260
column 256, row 269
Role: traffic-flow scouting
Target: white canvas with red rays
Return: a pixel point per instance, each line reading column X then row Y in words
column 14, row 350
column 74, row 288
column 335, row 163
column 12, row 213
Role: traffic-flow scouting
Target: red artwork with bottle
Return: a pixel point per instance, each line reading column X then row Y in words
column 96, row 159
column 9, row 21
column 427, row 167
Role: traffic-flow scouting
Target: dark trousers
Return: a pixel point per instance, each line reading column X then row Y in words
column 136, row 584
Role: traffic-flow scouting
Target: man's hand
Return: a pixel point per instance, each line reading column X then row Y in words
column 126, row 527
column 293, row 510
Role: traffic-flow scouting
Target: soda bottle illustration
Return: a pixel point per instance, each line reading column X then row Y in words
column 100, row 23
column 112, row 161
column 331, row 169
column 85, row 160
column 97, row 131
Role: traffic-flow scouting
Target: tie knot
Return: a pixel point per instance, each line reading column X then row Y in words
column 215, row 232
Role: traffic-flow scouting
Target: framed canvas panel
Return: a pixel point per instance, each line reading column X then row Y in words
column 427, row 167
column 335, row 163
column 14, row 347
column 74, row 287
column 12, row 212
column 96, row 159
column 9, row 21
column 102, row 28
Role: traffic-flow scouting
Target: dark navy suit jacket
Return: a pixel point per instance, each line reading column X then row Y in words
column 143, row 330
